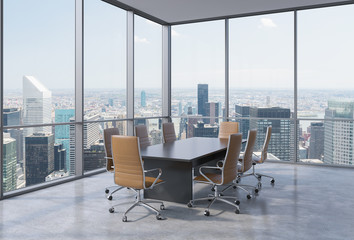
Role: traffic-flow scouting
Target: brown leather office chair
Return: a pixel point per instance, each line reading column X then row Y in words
column 107, row 138
column 227, row 128
column 245, row 164
column 261, row 157
column 228, row 173
column 168, row 130
column 129, row 171
column 142, row 134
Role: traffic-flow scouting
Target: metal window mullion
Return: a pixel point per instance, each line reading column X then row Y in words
column 1, row 99
column 130, row 73
column 79, row 86
column 227, row 66
column 295, row 90
column 166, row 71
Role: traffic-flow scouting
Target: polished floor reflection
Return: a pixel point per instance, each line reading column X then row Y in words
column 306, row 202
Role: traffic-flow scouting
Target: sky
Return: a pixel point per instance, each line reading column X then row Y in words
column 39, row 40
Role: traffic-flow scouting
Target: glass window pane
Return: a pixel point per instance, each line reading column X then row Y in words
column 39, row 61
column 262, row 62
column 325, row 59
column 198, row 69
column 148, row 68
column 105, row 61
column 31, row 159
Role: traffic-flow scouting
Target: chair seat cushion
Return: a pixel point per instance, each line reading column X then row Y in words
column 150, row 180
column 216, row 178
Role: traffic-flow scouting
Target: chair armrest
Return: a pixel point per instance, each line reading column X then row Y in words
column 108, row 157
column 208, row 167
column 158, row 176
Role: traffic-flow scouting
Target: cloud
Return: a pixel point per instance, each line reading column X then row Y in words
column 140, row 40
column 175, row 34
column 267, row 22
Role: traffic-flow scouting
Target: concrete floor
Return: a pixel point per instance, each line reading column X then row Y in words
column 306, row 202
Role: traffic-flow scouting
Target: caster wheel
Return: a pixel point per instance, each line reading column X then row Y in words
column 272, row 181
column 110, row 198
column 125, row 219
column 162, row 207
column 206, row 213
column 221, row 194
column 106, row 191
column 189, row 205
column 259, row 178
column 237, row 202
column 237, row 211
column 158, row 217
column 111, row 210
column 249, row 196
column 213, row 189
column 234, row 187
column 256, row 190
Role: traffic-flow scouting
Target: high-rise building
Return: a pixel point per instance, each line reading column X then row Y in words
column 316, row 147
column 94, row 157
column 39, row 161
column 244, row 124
column 12, row 117
column 37, row 105
column 212, row 110
column 9, row 163
column 62, row 132
column 339, row 135
column 92, row 134
column 59, row 157
column 202, row 99
column 143, row 98
column 205, row 130
column 281, row 142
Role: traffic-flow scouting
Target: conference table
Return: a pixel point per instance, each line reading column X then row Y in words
column 179, row 161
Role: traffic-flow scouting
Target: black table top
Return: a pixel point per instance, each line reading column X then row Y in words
column 185, row 150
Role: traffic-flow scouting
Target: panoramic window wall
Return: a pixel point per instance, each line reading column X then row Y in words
column 198, row 78
column 261, row 89
column 325, row 85
column 39, row 83
column 147, row 68
column 104, row 77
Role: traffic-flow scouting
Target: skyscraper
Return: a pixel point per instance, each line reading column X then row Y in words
column 316, row 148
column 339, row 135
column 39, row 161
column 59, row 157
column 243, row 112
column 202, row 99
column 12, row 117
column 37, row 105
column 92, row 133
column 143, row 98
column 9, row 164
column 212, row 110
column 281, row 142
column 62, row 132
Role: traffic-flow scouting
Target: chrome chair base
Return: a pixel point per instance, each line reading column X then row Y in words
column 243, row 187
column 216, row 197
column 139, row 202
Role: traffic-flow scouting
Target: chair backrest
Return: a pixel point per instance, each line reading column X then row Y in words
column 227, row 128
column 142, row 133
column 169, row 134
column 107, row 138
column 128, row 166
column 231, row 158
column 264, row 154
column 247, row 156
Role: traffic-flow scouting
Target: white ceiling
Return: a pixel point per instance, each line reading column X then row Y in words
column 180, row 11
